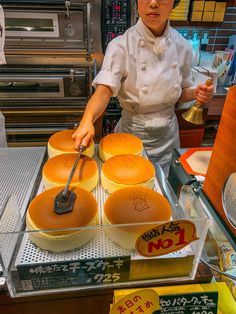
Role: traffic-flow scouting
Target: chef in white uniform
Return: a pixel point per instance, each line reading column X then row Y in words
column 149, row 69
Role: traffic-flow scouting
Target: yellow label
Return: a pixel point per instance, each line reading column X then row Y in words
column 166, row 238
column 141, row 301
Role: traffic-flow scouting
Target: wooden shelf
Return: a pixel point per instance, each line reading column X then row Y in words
column 215, row 108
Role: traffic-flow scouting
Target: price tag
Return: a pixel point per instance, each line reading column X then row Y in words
column 62, row 274
column 141, row 301
column 190, row 303
column 166, row 238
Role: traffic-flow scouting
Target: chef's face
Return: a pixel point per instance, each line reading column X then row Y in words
column 155, row 13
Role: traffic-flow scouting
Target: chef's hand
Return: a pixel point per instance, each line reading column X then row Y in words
column 203, row 93
column 84, row 134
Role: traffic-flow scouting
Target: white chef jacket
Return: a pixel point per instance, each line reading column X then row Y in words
column 147, row 74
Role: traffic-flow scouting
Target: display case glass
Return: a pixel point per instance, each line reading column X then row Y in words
column 219, row 249
column 102, row 262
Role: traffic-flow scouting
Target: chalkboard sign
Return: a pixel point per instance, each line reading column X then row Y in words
column 64, row 274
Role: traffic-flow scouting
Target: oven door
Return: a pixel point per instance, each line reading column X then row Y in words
column 37, row 101
column 47, row 26
column 49, row 83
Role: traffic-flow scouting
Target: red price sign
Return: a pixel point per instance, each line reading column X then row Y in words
column 166, row 238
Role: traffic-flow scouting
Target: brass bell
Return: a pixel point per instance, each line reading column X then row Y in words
column 195, row 113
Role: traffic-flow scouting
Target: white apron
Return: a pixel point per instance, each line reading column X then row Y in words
column 160, row 135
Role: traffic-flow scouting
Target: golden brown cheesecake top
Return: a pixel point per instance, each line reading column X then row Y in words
column 63, row 141
column 120, row 143
column 59, row 168
column 135, row 205
column 128, row 169
column 41, row 211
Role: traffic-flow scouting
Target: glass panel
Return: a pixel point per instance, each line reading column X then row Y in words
column 36, row 88
column 29, row 87
column 29, row 24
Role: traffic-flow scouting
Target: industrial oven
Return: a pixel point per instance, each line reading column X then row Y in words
column 53, row 50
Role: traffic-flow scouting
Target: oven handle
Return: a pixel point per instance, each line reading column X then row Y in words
column 88, row 31
column 92, row 75
column 94, row 68
column 33, row 130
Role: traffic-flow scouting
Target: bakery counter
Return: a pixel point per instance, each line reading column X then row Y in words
column 55, row 281
column 88, row 301
column 94, row 301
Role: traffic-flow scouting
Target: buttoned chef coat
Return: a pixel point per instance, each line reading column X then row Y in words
column 147, row 74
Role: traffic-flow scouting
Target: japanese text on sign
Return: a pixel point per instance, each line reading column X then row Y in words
column 166, row 238
column 74, row 273
column 149, row 302
column 87, row 266
column 141, row 301
column 191, row 303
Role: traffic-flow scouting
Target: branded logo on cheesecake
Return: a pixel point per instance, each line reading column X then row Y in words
column 140, row 201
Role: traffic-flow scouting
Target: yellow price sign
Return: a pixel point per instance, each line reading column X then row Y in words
column 141, row 301
column 166, row 238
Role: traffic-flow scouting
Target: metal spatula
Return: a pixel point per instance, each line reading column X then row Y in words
column 65, row 199
column 229, row 198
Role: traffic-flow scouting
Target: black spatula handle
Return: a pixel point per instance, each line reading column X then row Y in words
column 65, row 199
column 65, row 191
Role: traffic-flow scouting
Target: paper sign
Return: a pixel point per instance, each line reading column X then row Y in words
column 141, row 301
column 166, row 238
column 190, row 303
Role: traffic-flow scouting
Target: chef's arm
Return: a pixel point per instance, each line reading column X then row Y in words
column 202, row 93
column 94, row 109
column 186, row 95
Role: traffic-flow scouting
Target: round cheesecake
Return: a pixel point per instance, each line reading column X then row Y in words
column 62, row 142
column 127, row 170
column 134, row 205
column 119, row 143
column 56, row 172
column 42, row 216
